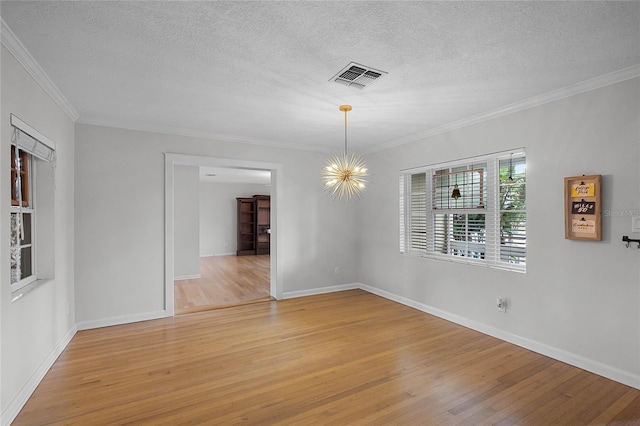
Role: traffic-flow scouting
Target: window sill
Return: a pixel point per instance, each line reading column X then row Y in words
column 17, row 294
column 522, row 269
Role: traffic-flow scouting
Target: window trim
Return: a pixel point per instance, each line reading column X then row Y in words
column 27, row 142
column 491, row 210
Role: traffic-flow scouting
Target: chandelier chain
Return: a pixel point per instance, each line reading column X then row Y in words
column 345, row 132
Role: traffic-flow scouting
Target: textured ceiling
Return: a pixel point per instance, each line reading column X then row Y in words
column 259, row 71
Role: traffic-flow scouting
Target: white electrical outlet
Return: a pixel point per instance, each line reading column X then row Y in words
column 501, row 304
column 635, row 223
column 336, row 270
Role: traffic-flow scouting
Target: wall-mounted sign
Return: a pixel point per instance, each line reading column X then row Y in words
column 583, row 207
column 583, row 226
column 583, row 189
column 582, row 215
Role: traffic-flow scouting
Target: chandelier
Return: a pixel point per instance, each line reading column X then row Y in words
column 344, row 175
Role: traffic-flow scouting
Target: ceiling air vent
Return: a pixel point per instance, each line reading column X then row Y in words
column 357, row 75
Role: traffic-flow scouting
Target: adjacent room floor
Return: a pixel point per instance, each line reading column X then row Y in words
column 224, row 281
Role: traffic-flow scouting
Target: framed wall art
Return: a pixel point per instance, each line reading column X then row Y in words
column 583, row 207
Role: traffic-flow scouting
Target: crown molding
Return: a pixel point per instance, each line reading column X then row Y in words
column 623, row 74
column 22, row 55
column 202, row 134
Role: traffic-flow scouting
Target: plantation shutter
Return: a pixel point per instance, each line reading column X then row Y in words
column 513, row 224
column 493, row 214
column 418, row 209
column 471, row 211
column 402, row 214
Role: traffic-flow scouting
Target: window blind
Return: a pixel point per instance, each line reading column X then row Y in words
column 30, row 140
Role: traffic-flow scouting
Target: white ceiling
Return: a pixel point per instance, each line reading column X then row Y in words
column 258, row 71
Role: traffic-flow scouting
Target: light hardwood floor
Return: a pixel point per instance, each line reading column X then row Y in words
column 333, row 359
column 224, row 281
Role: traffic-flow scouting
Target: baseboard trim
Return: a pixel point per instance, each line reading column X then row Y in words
column 187, row 277
column 596, row 367
column 125, row 319
column 14, row 407
column 320, row 290
column 227, row 253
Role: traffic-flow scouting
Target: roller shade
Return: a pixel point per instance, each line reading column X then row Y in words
column 30, row 140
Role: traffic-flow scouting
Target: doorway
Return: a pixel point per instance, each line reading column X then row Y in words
column 226, row 260
column 221, row 247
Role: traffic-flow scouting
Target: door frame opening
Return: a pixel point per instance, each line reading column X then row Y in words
column 171, row 160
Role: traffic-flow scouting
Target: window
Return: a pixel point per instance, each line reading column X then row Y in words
column 22, row 214
column 471, row 211
column 32, row 188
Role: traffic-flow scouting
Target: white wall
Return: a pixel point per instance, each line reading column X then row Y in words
column 578, row 300
column 186, row 242
column 35, row 327
column 120, row 220
column 218, row 215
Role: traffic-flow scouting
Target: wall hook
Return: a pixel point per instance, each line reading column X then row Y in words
column 628, row 240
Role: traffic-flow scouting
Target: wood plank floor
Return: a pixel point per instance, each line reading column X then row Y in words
column 224, row 281
column 333, row 359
